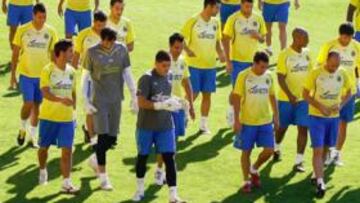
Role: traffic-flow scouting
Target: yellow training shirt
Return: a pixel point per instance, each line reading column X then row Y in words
column 238, row 28
column 36, row 47
column 356, row 3
column 350, row 57
column 21, row 2
column 61, row 84
column 326, row 88
column 201, row 37
column 276, row 1
column 178, row 71
column 86, row 39
column 255, row 91
column 295, row 66
column 79, row 5
column 231, row 2
column 124, row 28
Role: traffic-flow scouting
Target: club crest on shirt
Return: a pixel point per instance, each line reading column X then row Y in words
column 307, row 58
column 46, row 36
column 214, row 27
column 125, row 29
column 267, row 81
column 255, row 23
column 339, row 79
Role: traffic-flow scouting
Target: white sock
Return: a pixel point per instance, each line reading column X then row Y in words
column 277, row 147
column 158, row 169
column 102, row 177
column 320, row 181
column 93, row 141
column 253, row 170
column 23, row 125
column 173, row 192
column 299, row 158
column 32, row 131
column 203, row 121
column 140, row 184
column 66, row 182
column 43, row 171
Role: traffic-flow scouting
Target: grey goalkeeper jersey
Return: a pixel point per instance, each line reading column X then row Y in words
column 106, row 69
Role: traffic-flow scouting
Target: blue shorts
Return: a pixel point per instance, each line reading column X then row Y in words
column 19, row 15
column 56, row 133
column 203, row 80
column 164, row 141
column 237, row 68
column 76, row 18
column 357, row 36
column 30, row 89
column 323, row 131
column 179, row 122
column 262, row 136
column 276, row 12
column 226, row 10
column 348, row 111
column 293, row 114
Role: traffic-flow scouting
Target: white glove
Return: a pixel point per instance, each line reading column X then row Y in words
column 358, row 89
column 89, row 108
column 134, row 106
column 172, row 104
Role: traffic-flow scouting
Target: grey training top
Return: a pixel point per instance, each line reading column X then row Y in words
column 106, row 70
column 155, row 88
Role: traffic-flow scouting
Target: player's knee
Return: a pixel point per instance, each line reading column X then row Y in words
column 28, row 106
column 282, row 27
column 268, row 151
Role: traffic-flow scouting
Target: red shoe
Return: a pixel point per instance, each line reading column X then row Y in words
column 255, row 179
column 247, row 187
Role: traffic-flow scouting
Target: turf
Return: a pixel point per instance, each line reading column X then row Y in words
column 209, row 167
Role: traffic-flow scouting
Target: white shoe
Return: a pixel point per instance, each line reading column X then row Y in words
column 230, row 116
column 69, row 189
column 269, row 51
column 329, row 159
column 159, row 177
column 338, row 161
column 93, row 164
column 106, row 185
column 139, row 195
column 176, row 200
column 43, row 178
column 33, row 143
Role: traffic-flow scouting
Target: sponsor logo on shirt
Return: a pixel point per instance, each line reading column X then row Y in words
column 37, row 44
column 329, row 96
column 258, row 90
column 160, row 97
column 299, row 68
column 205, row 35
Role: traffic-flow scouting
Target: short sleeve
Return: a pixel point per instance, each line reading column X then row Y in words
column 87, row 62
column 186, row 70
column 355, row 3
column 45, row 78
column 239, row 88
column 54, row 39
column 130, row 37
column 218, row 30
column 229, row 27
column 187, row 29
column 310, row 81
column 272, row 85
column 281, row 63
column 322, row 57
column 17, row 38
column 347, row 81
column 144, row 86
column 263, row 29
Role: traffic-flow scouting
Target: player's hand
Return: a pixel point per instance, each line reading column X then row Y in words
column 89, row 108
column 190, row 53
column 237, row 127
column 4, row 8
column 222, row 58
column 13, row 83
column 335, row 108
column 229, row 67
column 134, row 106
column 255, row 35
column 292, row 99
column 325, row 110
column 260, row 5
column 67, row 101
column 60, row 11
column 192, row 113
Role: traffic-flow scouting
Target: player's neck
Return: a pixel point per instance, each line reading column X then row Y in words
column 246, row 15
column 328, row 70
column 296, row 48
column 115, row 19
column 205, row 15
column 37, row 26
column 60, row 63
column 174, row 56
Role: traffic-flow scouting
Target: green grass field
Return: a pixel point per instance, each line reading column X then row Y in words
column 209, row 167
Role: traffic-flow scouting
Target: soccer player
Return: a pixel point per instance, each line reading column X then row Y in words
column 155, row 124
column 32, row 50
column 181, row 88
column 77, row 15
column 255, row 88
column 323, row 90
column 227, row 8
column 202, row 38
column 56, row 113
column 18, row 12
column 107, row 64
column 122, row 25
column 243, row 31
column 86, row 39
column 294, row 64
column 353, row 15
column 276, row 11
column 350, row 60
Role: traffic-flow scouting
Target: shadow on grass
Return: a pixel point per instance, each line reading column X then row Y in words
column 199, row 153
column 12, row 94
column 346, row 194
column 10, row 157
column 357, row 110
column 25, row 180
column 276, row 190
column 5, row 68
column 150, row 194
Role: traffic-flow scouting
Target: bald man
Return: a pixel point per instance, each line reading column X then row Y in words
column 293, row 66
